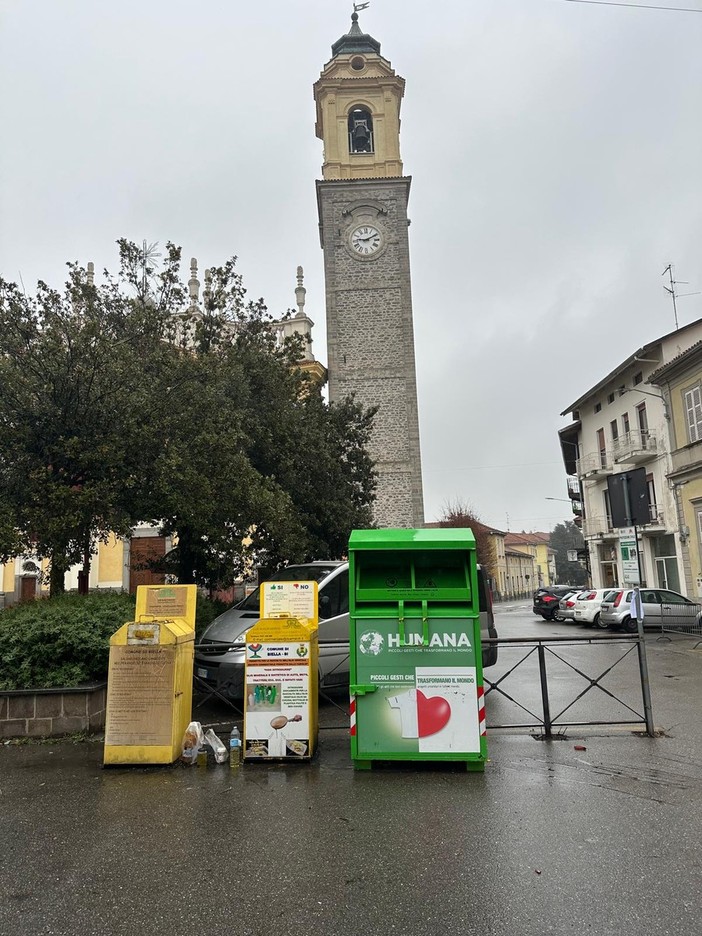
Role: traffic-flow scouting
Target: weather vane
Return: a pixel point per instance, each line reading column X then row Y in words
column 357, row 7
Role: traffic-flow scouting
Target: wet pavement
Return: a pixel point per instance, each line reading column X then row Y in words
column 550, row 839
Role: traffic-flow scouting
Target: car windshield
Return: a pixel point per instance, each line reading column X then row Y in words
column 300, row 573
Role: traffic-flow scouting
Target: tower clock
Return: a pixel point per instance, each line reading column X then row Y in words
column 362, row 203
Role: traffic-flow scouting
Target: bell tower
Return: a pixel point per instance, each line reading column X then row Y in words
column 362, row 204
column 358, row 99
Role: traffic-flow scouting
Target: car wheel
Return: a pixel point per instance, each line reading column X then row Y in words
column 600, row 623
column 630, row 625
column 595, row 621
column 557, row 616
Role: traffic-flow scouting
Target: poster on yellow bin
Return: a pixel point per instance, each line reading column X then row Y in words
column 280, row 703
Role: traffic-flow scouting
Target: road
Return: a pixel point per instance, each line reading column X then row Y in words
column 551, row 839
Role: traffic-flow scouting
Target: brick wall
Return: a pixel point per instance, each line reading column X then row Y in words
column 51, row 712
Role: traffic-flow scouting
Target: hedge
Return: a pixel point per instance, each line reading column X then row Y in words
column 64, row 641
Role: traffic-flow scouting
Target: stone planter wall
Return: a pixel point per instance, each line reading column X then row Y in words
column 45, row 713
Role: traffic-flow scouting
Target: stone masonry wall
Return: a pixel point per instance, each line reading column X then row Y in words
column 370, row 334
column 46, row 713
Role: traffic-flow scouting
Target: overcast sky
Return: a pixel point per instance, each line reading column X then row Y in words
column 556, row 155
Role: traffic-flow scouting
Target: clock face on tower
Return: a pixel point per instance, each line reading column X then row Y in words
column 365, row 241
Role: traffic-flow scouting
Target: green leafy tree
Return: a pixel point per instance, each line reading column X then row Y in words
column 565, row 536
column 304, row 479
column 121, row 404
column 203, row 487
column 318, row 454
column 72, row 391
column 10, row 543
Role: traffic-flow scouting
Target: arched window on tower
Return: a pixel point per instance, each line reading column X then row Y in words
column 360, row 130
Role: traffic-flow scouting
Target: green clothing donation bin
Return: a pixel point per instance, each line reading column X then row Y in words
column 416, row 661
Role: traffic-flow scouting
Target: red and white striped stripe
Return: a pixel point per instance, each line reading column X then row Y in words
column 481, row 711
column 352, row 714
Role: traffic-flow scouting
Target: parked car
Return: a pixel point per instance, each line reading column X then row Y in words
column 657, row 603
column 219, row 656
column 567, row 605
column 587, row 606
column 546, row 601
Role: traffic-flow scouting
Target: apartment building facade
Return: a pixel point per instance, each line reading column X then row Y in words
column 620, row 423
column 680, row 382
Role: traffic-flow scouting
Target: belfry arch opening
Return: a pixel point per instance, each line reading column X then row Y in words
column 360, row 130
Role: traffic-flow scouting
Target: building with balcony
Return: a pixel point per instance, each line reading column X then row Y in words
column 680, row 382
column 621, row 423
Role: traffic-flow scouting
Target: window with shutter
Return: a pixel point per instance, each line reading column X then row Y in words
column 693, row 407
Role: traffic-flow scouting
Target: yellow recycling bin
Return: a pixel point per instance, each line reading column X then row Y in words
column 281, row 677
column 150, row 678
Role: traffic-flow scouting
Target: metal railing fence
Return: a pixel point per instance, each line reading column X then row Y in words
column 682, row 619
column 549, row 700
column 544, row 684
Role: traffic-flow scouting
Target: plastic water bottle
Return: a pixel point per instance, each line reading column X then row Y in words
column 234, row 747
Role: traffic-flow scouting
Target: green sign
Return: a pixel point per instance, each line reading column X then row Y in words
column 628, row 551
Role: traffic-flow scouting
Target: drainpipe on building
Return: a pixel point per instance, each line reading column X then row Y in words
column 683, row 534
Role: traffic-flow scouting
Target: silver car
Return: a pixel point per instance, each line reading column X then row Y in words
column 219, row 655
column 566, row 605
column 658, row 604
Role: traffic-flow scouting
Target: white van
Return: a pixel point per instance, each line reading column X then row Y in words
column 219, row 654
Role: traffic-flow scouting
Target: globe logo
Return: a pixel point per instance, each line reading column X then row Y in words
column 371, row 642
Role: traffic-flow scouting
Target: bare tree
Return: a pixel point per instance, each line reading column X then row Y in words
column 463, row 515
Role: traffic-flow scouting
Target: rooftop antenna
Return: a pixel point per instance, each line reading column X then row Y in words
column 672, row 293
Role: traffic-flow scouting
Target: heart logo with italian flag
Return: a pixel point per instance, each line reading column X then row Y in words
column 433, row 714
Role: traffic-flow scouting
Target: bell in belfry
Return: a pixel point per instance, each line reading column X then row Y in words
column 361, row 136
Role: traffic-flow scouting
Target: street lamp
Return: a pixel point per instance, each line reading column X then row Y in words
column 656, row 396
column 577, row 512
